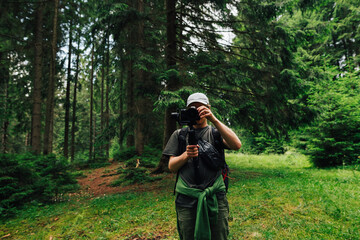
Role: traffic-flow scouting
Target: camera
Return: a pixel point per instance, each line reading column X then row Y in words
column 186, row 116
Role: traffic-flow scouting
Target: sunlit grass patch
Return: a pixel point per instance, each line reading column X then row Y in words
column 272, row 161
column 117, row 216
column 282, row 197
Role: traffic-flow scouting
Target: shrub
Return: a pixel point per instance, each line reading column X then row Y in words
column 335, row 136
column 149, row 159
column 81, row 161
column 26, row 177
column 262, row 143
column 123, row 155
column 137, row 167
column 134, row 175
column 266, row 144
column 335, row 140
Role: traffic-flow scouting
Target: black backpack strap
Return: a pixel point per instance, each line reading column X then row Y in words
column 219, row 145
column 182, row 147
column 182, row 139
column 218, row 141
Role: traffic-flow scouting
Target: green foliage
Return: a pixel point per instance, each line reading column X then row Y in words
column 334, row 136
column 26, row 177
column 271, row 78
column 326, row 62
column 267, row 144
column 124, row 154
column 134, row 175
column 81, row 161
column 172, row 99
column 137, row 168
column 149, row 159
column 262, row 143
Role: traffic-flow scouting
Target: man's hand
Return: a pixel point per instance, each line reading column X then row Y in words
column 205, row 112
column 229, row 137
column 176, row 162
column 192, row 151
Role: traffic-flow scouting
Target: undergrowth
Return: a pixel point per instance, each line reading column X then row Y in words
column 136, row 169
column 26, row 178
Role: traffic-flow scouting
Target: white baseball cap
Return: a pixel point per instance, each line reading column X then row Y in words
column 197, row 97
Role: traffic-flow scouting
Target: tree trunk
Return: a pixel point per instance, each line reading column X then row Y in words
column 102, row 98
column 130, row 102
column 36, row 94
column 67, row 99
column 94, row 135
column 91, row 103
column 27, row 140
column 107, row 109
column 130, row 93
column 172, row 84
column 140, row 100
column 4, row 71
column 5, row 113
column 48, row 135
column 170, row 51
column 121, row 108
column 73, row 127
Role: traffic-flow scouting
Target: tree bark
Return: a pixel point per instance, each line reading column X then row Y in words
column 102, row 97
column 130, row 84
column 4, row 71
column 107, row 109
column 130, row 101
column 73, row 127
column 91, row 103
column 36, row 94
column 172, row 84
column 27, row 139
column 140, row 99
column 67, row 98
column 170, row 51
column 4, row 92
column 48, row 135
column 121, row 108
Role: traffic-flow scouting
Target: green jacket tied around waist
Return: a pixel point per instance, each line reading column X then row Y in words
column 207, row 207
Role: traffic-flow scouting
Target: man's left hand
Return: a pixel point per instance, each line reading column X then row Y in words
column 205, row 112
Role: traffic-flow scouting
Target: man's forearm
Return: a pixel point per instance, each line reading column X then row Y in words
column 230, row 138
column 176, row 162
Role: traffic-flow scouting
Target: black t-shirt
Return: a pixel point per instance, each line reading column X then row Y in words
column 201, row 179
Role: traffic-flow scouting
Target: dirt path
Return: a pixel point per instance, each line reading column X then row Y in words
column 97, row 182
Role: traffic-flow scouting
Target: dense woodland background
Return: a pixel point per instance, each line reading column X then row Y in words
column 83, row 81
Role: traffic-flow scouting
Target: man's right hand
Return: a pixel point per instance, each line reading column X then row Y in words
column 192, row 151
column 176, row 162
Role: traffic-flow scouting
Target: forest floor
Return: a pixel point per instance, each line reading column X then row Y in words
column 270, row 197
column 97, row 182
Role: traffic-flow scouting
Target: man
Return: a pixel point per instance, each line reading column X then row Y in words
column 201, row 203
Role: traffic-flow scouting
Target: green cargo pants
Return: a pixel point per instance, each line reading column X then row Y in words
column 186, row 220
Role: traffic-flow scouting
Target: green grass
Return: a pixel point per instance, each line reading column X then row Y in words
column 282, row 197
column 120, row 216
column 270, row 197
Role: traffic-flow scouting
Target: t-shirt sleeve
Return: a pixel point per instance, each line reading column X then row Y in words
column 172, row 146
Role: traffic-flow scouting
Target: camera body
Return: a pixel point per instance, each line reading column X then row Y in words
column 186, row 116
